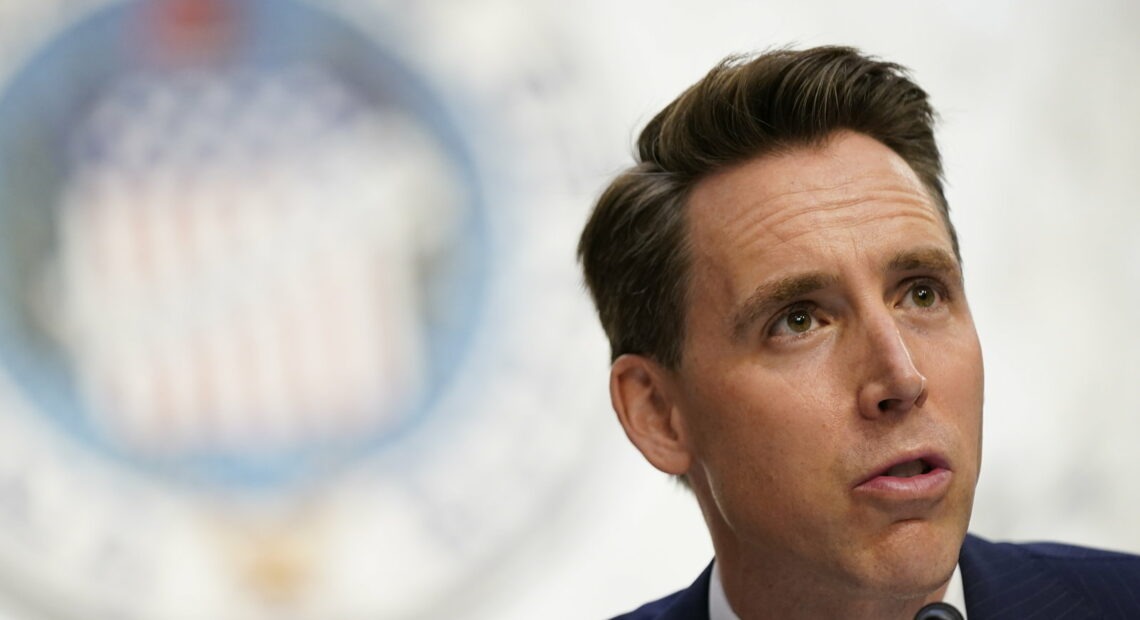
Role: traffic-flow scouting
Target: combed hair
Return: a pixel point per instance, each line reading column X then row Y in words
column 634, row 249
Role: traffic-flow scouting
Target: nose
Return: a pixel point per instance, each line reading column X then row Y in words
column 891, row 383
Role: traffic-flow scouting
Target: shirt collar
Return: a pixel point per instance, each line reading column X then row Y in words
column 719, row 608
column 718, row 604
column 955, row 594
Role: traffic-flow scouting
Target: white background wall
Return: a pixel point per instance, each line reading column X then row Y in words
column 1039, row 102
column 1040, row 105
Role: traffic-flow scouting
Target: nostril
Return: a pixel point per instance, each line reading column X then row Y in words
column 892, row 394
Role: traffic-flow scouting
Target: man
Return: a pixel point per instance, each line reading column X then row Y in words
column 781, row 286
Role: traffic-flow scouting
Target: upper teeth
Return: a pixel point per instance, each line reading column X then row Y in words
column 906, row 470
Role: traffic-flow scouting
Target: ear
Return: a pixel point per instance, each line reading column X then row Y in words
column 641, row 396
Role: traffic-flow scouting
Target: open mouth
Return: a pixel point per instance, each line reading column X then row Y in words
column 921, row 478
column 909, row 469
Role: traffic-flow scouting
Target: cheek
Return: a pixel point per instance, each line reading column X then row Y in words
column 788, row 412
column 962, row 378
column 769, row 442
column 960, row 386
column 760, row 410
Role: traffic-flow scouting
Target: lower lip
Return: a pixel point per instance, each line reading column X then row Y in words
column 931, row 485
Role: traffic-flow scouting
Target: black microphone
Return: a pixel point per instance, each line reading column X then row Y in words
column 938, row 611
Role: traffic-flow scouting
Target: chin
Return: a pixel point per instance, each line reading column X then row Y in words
column 913, row 561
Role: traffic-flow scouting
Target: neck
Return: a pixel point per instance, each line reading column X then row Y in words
column 775, row 590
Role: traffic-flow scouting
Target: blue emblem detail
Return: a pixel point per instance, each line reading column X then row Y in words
column 43, row 147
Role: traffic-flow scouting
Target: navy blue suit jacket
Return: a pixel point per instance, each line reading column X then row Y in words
column 1044, row 581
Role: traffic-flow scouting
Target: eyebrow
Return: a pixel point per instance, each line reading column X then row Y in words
column 926, row 259
column 771, row 295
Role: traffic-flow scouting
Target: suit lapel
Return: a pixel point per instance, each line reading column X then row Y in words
column 693, row 602
column 1005, row 581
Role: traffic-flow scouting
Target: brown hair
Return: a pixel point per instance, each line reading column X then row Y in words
column 634, row 250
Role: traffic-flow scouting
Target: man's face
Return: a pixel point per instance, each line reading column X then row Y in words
column 831, row 378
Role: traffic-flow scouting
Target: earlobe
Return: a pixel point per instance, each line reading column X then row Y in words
column 644, row 406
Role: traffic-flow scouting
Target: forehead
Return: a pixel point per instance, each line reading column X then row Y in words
column 823, row 207
column 850, row 181
column 846, row 170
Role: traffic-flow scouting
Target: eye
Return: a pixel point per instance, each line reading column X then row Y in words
column 798, row 320
column 923, row 295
